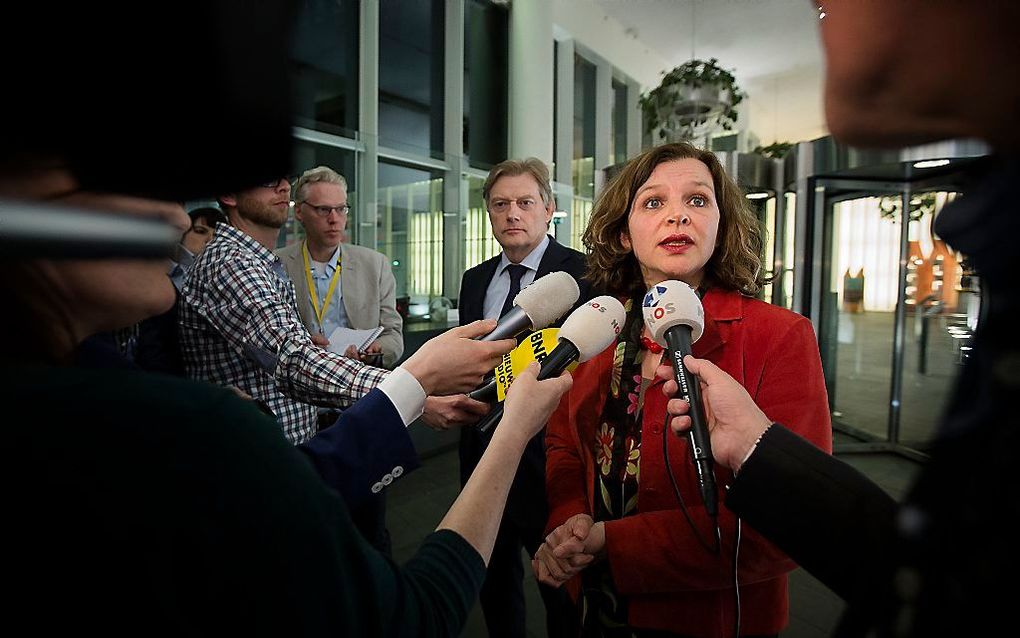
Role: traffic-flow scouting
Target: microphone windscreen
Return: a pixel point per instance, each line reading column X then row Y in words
column 672, row 303
column 548, row 298
column 594, row 326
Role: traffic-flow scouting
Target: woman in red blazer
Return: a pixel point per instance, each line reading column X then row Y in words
column 636, row 561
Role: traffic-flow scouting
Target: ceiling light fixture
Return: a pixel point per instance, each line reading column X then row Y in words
column 757, row 196
column 931, row 163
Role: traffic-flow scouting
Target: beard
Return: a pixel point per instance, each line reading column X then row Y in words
column 260, row 212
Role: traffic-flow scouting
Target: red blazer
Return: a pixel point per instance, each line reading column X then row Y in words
column 671, row 583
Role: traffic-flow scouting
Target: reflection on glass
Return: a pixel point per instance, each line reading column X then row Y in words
column 580, row 212
column 941, row 306
column 584, row 128
column 788, row 246
column 769, row 236
column 324, row 66
column 941, row 311
column 411, row 75
column 858, row 313
column 479, row 244
column 411, row 233
column 618, row 137
column 486, row 77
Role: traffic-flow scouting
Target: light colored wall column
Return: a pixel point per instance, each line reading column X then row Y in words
column 453, row 146
column 531, row 79
column 368, row 109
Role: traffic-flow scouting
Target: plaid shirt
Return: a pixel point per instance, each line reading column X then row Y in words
column 239, row 326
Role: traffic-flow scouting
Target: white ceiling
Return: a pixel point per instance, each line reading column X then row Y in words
column 772, row 46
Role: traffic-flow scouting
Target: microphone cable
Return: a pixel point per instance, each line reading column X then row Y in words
column 717, row 551
column 680, row 499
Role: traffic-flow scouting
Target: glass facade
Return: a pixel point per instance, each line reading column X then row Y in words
column 411, row 64
column 479, row 244
column 410, row 204
column 618, row 137
column 583, row 167
column 864, row 250
column 324, row 66
column 486, row 73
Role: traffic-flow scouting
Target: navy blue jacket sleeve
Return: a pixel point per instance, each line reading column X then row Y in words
column 367, row 447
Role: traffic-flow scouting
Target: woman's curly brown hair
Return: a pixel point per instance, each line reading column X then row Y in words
column 736, row 263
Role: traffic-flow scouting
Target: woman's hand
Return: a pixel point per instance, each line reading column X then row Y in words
column 568, row 549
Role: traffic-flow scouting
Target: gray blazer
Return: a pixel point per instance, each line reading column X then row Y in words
column 369, row 294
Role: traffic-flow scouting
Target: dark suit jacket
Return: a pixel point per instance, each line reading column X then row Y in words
column 526, row 505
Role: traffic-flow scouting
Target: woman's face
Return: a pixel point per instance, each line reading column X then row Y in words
column 673, row 222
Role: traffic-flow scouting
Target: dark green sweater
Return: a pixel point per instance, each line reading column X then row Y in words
column 148, row 505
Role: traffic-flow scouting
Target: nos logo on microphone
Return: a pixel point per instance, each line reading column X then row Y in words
column 653, row 299
column 594, row 305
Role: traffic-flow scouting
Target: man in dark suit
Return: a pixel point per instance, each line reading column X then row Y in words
column 519, row 199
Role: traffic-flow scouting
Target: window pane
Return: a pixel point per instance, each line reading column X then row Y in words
column 942, row 299
column 479, row 244
column 324, row 64
column 618, row 139
column 859, row 313
column 486, row 77
column 584, row 128
column 411, row 234
column 411, row 34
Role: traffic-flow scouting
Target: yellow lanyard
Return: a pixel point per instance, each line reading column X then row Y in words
column 313, row 291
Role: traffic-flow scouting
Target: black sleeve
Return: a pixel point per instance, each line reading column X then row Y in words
column 827, row 516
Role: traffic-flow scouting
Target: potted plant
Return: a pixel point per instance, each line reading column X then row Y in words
column 695, row 94
column 775, row 150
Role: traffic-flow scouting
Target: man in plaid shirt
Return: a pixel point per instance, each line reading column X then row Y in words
column 239, row 324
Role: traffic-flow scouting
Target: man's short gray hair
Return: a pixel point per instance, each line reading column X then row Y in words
column 512, row 168
column 319, row 174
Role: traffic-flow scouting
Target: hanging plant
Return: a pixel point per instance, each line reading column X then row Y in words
column 694, row 96
column 775, row 150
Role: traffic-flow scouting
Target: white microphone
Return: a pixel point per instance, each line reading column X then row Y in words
column 537, row 306
column 676, row 319
column 587, row 331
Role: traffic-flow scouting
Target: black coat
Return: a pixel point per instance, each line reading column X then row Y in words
column 526, row 505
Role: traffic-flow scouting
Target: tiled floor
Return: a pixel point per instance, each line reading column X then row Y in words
column 416, row 505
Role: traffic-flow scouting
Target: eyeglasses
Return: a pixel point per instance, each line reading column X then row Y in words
column 275, row 183
column 525, row 204
column 325, row 211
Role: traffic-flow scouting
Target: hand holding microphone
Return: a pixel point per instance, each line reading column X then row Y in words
column 535, row 307
column 587, row 331
column 675, row 318
column 735, row 422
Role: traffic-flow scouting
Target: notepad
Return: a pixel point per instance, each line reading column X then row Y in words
column 360, row 339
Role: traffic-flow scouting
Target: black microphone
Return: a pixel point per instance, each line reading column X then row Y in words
column 535, row 307
column 587, row 331
column 676, row 319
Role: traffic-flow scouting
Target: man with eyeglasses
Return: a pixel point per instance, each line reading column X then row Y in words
column 343, row 285
column 239, row 324
column 520, row 203
column 337, row 284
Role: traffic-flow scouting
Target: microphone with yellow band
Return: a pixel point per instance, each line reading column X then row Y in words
column 587, row 331
column 536, row 347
